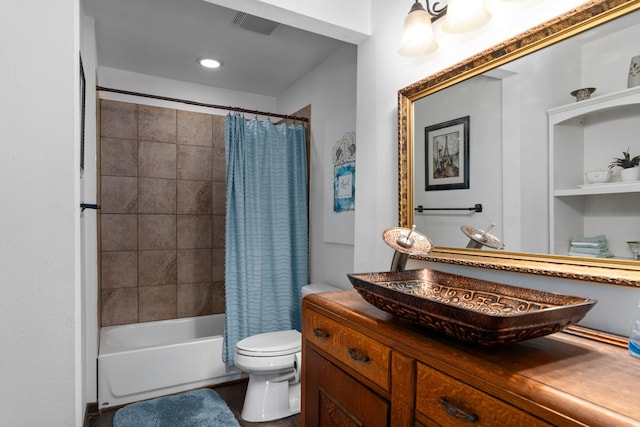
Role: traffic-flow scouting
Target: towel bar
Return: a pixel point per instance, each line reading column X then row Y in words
column 89, row 206
column 476, row 208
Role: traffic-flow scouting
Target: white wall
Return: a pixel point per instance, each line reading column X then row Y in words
column 331, row 91
column 40, row 304
column 113, row 78
column 88, row 219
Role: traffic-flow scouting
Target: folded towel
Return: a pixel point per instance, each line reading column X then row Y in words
column 588, row 245
column 606, row 254
column 601, row 238
column 591, row 251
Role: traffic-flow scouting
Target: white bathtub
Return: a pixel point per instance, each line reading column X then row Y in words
column 146, row 360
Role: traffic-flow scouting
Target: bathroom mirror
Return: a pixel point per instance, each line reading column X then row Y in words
column 501, row 66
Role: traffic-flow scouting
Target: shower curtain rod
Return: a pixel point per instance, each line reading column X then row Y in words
column 201, row 104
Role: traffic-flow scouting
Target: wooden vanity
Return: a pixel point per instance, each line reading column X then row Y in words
column 366, row 367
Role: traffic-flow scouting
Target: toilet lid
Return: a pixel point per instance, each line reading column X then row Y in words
column 271, row 343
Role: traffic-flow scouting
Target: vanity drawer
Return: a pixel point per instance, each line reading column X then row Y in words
column 362, row 354
column 450, row 402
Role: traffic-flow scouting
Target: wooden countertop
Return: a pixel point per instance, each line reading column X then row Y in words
column 584, row 379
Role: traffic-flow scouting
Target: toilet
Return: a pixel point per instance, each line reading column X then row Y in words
column 273, row 361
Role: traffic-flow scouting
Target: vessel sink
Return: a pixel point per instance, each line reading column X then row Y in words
column 469, row 309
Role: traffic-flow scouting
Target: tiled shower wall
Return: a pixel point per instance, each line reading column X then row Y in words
column 162, row 217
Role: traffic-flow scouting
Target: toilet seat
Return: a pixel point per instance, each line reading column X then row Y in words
column 270, row 344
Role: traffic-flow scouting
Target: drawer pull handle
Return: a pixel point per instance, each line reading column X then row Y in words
column 456, row 412
column 320, row 333
column 357, row 356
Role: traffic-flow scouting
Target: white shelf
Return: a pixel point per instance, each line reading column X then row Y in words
column 595, row 105
column 607, row 188
column 596, row 128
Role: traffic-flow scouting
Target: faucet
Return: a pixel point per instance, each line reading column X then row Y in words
column 479, row 238
column 406, row 242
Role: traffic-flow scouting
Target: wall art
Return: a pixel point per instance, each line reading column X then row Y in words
column 447, row 155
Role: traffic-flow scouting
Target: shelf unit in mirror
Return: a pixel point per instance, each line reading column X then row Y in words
column 585, row 136
column 595, row 105
column 605, row 188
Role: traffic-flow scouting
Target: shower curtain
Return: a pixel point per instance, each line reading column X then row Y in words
column 266, row 248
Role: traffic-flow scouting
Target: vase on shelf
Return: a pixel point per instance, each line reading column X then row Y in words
column 634, row 72
column 630, row 174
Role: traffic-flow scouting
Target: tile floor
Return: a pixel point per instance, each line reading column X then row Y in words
column 232, row 393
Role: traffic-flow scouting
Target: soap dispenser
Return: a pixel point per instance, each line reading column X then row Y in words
column 634, row 337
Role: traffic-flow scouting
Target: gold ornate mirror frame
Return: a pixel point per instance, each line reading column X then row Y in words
column 587, row 16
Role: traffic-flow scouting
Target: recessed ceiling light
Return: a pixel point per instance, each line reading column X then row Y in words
column 210, row 63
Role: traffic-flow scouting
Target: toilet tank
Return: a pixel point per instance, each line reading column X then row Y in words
column 315, row 288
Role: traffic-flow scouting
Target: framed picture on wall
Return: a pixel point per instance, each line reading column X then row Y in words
column 447, row 155
column 344, row 187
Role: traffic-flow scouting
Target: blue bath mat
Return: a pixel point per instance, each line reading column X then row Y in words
column 198, row 408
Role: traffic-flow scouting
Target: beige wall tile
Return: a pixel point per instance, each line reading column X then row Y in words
column 194, row 128
column 118, row 157
column 217, row 264
column 194, row 266
column 194, row 197
column 218, row 131
column 156, row 232
column 118, row 120
column 156, row 124
column 157, row 167
column 119, row 194
column 219, row 196
column 118, row 232
column 194, row 299
column 119, row 269
column 218, row 298
column 156, row 160
column 119, row 306
column 157, row 302
column 156, row 195
column 218, row 231
column 194, row 231
column 157, row 267
column 194, row 162
column 219, row 173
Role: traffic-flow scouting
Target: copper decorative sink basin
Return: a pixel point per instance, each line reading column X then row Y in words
column 468, row 309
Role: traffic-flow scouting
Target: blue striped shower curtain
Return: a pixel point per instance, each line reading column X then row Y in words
column 266, row 255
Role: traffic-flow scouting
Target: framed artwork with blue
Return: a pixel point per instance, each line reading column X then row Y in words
column 344, row 187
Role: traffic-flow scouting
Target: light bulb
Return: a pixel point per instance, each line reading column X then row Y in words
column 417, row 37
column 209, row 63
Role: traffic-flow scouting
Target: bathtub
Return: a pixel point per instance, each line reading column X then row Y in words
column 146, row 360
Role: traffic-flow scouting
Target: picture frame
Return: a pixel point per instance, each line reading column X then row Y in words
column 83, row 93
column 447, row 155
column 344, row 187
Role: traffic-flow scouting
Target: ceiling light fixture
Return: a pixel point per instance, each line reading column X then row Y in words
column 460, row 16
column 210, row 63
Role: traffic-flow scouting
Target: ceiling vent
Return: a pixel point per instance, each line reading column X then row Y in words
column 254, row 23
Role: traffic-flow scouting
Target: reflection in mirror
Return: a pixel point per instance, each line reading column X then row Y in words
column 528, row 145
